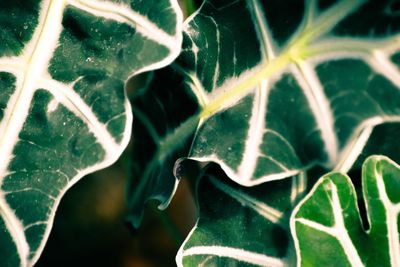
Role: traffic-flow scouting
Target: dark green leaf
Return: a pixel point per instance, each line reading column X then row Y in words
column 240, row 226
column 156, row 144
column 63, row 109
column 286, row 85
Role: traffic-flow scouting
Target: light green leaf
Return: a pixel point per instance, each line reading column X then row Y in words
column 63, row 108
column 240, row 226
column 326, row 224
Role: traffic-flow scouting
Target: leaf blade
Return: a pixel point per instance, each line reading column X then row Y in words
column 331, row 130
column 239, row 225
column 64, row 111
column 346, row 233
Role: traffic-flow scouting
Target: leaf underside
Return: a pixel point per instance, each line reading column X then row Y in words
column 63, row 108
column 167, row 106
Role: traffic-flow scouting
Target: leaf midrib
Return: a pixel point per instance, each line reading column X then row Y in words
column 14, row 119
column 295, row 52
column 19, row 103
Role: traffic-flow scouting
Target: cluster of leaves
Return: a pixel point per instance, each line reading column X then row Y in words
column 267, row 95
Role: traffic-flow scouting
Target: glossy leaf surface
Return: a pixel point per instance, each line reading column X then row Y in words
column 240, row 226
column 288, row 86
column 63, row 109
column 328, row 219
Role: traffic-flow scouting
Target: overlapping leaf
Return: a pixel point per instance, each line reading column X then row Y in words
column 241, row 226
column 328, row 219
column 63, row 110
column 289, row 85
column 297, row 85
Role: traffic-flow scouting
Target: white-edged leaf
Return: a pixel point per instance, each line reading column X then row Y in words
column 285, row 87
column 63, row 108
column 327, row 220
column 241, row 226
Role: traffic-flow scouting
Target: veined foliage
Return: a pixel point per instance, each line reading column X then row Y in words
column 283, row 88
column 293, row 94
column 280, row 88
column 242, row 226
column 265, row 89
column 327, row 220
column 63, row 109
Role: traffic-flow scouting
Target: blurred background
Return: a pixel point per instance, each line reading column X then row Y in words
column 90, row 227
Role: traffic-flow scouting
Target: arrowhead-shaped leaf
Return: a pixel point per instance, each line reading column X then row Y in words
column 327, row 227
column 63, row 109
column 240, row 226
column 285, row 86
column 290, row 85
